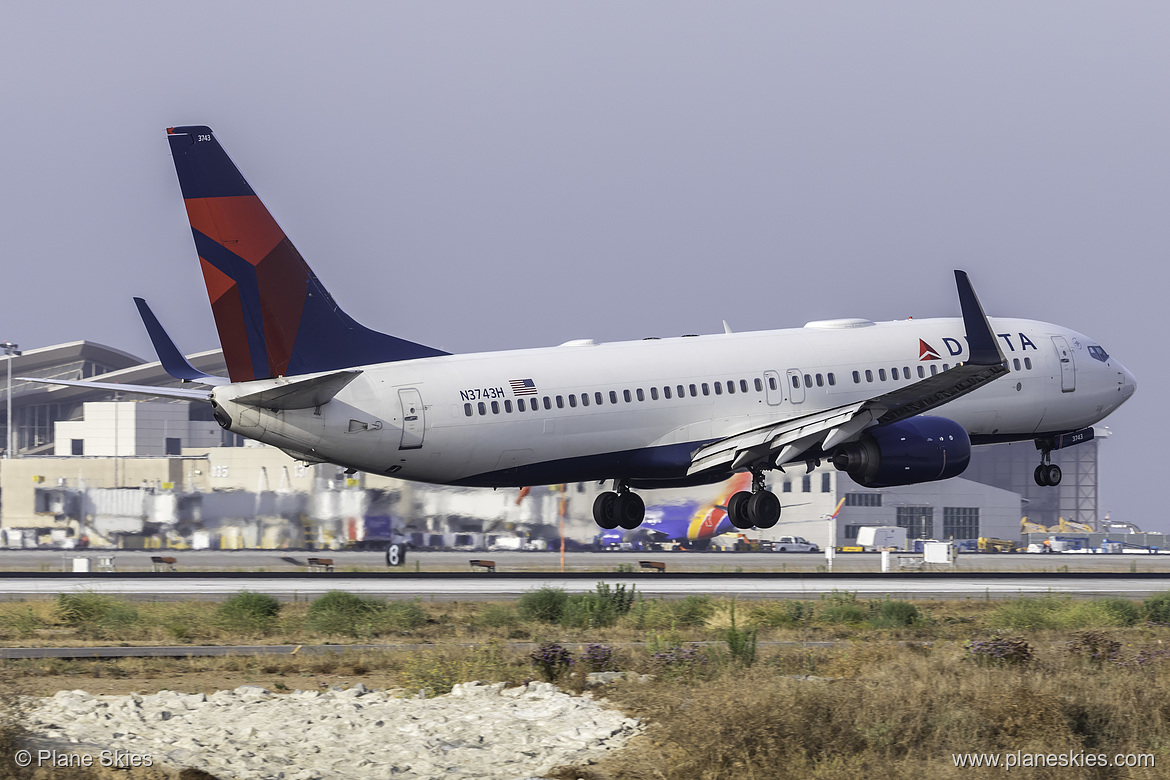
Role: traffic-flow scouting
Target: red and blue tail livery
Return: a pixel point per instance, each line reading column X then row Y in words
column 273, row 316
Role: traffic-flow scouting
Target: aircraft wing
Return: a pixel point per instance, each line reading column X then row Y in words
column 782, row 442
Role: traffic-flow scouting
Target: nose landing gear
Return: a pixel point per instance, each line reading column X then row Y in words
column 1047, row 474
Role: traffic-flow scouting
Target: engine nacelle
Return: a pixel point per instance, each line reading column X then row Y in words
column 921, row 449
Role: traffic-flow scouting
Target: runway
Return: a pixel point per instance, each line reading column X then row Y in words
column 457, row 587
column 276, row 561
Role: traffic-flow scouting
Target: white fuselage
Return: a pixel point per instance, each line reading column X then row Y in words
column 560, row 414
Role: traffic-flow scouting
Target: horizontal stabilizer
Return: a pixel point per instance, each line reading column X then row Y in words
column 188, row 394
column 299, row 393
column 172, row 360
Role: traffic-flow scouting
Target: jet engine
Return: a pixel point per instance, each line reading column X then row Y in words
column 921, row 449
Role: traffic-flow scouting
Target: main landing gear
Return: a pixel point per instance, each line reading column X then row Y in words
column 623, row 508
column 1047, row 474
column 759, row 508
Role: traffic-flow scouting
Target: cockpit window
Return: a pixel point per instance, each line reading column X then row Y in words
column 1098, row 353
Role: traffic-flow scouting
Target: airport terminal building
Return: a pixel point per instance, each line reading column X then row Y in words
column 139, row 472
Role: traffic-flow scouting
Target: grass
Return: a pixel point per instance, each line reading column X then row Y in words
column 829, row 689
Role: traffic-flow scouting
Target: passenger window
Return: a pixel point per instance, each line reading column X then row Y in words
column 731, row 387
column 682, row 391
column 1016, row 363
column 882, row 374
column 573, row 400
column 626, row 395
column 921, row 372
column 894, row 372
column 718, row 388
column 547, row 405
column 508, row 405
column 868, row 375
column 759, row 385
column 597, row 398
column 808, row 380
column 641, row 395
column 482, row 408
column 796, row 380
column 1028, row 363
column 820, row 381
column 560, row 402
column 832, row 380
column 706, row 389
column 653, row 393
column 693, row 391
column 743, row 385
column 666, row 392
column 467, row 409
column 946, row 366
column 934, row 369
column 613, row 396
column 856, row 378
column 520, row 405
column 584, row 399
column 772, row 382
column 495, row 407
column 905, row 372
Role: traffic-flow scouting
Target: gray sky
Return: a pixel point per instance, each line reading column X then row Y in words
column 497, row 175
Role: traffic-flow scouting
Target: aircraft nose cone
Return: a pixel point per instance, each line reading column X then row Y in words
column 1128, row 383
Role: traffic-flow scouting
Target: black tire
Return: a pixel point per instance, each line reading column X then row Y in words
column 1040, row 476
column 603, row 510
column 629, row 510
column 737, row 510
column 1052, row 474
column 764, row 509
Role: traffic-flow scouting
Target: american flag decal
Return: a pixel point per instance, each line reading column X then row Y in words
column 522, row 386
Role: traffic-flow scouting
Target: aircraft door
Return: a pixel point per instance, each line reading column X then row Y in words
column 413, row 419
column 1068, row 369
column 795, row 386
column 774, row 389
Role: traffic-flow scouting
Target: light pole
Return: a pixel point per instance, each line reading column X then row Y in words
column 12, row 352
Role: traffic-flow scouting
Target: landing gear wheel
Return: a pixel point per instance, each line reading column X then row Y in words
column 1052, row 475
column 737, row 510
column 1040, row 476
column 629, row 509
column 603, row 510
column 764, row 509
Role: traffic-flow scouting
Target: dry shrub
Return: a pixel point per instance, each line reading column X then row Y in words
column 901, row 715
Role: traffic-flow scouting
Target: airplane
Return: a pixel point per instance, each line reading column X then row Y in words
column 889, row 403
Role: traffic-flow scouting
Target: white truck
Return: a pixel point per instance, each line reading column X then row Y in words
column 794, row 544
column 881, row 537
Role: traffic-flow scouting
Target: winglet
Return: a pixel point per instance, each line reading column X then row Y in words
column 169, row 355
column 980, row 339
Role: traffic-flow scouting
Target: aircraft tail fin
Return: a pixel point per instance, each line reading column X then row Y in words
column 273, row 316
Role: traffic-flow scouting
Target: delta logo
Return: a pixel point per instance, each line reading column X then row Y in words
column 955, row 347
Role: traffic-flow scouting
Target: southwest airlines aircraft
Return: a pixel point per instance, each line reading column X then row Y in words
column 891, row 403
